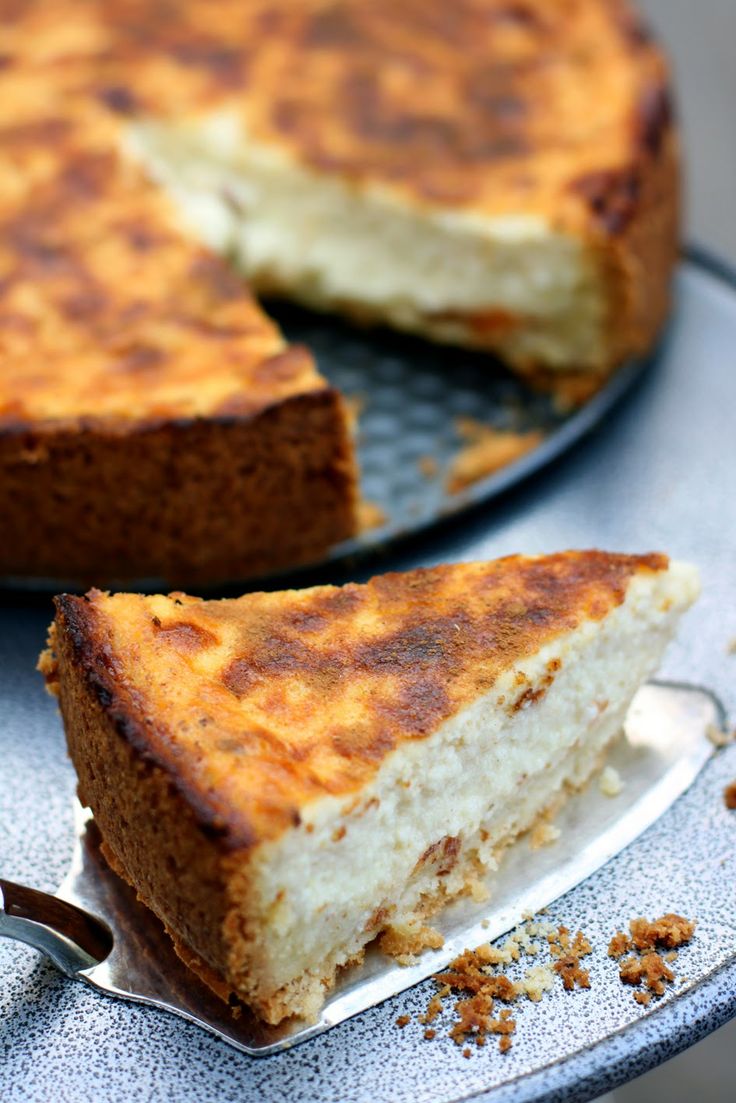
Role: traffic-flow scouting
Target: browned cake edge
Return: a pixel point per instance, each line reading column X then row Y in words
column 634, row 237
column 152, row 837
column 640, row 209
column 155, row 836
column 195, row 500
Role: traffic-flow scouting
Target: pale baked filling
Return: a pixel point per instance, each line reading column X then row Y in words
column 321, row 892
column 513, row 284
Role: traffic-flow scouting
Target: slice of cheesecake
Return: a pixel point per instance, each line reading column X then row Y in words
column 285, row 776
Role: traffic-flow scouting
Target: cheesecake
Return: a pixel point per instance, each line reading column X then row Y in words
column 285, row 777
column 497, row 175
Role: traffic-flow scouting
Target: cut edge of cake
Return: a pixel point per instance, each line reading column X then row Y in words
column 562, row 296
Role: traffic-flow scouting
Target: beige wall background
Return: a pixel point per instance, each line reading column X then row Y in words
column 701, row 38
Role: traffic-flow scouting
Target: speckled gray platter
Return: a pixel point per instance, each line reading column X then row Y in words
column 658, row 474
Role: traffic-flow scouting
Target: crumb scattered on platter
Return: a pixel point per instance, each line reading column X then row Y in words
column 483, row 992
column 484, row 1000
column 639, row 953
column 568, row 953
column 486, row 451
column 370, row 516
column 428, row 466
column 729, row 796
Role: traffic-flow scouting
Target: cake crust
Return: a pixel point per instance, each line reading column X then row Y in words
column 189, row 500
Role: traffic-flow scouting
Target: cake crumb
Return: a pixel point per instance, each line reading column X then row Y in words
column 543, row 834
column 731, row 647
column 487, row 450
column 466, row 1051
column 428, row 466
column 650, row 968
column 729, row 796
column 568, row 954
column 370, row 516
column 610, row 783
column 656, row 972
column 404, row 941
column 494, row 955
column 403, row 1020
column 630, row 971
column 434, row 1008
column 478, row 986
column 538, row 980
column 718, row 737
column 669, row 930
column 571, row 972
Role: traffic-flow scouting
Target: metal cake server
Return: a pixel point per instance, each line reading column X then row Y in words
column 95, row 930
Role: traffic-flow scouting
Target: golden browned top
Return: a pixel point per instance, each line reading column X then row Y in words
column 498, row 106
column 106, row 312
column 106, row 309
column 260, row 705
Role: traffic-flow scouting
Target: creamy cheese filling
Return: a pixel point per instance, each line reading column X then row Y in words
column 514, row 284
column 321, row 889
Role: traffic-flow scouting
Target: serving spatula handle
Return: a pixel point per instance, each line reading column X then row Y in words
column 71, row 937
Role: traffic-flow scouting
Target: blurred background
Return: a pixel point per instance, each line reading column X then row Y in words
column 701, row 37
